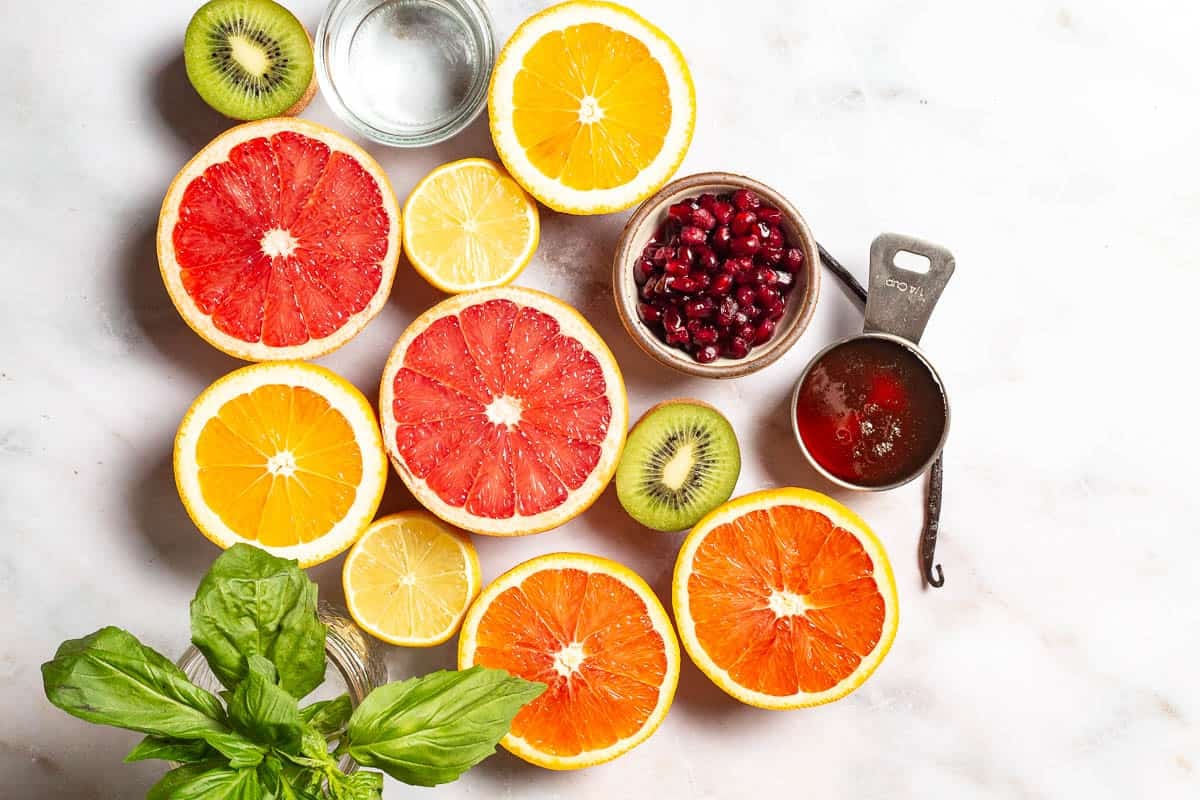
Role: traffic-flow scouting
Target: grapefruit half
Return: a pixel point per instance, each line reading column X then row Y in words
column 279, row 240
column 503, row 411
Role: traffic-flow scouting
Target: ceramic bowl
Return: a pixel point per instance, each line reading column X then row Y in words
column 801, row 303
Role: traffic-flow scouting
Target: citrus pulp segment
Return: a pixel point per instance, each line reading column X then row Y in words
column 279, row 240
column 591, row 107
column 285, row 456
column 409, row 579
column 785, row 598
column 596, row 635
column 503, row 411
column 468, row 225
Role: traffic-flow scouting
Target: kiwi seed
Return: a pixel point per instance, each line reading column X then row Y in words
column 249, row 59
column 681, row 461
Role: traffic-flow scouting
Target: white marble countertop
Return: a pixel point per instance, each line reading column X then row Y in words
column 1051, row 145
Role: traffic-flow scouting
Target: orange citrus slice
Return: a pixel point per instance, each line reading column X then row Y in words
column 596, row 635
column 468, row 225
column 785, row 598
column 284, row 455
column 503, row 411
column 279, row 240
column 409, row 579
column 591, row 107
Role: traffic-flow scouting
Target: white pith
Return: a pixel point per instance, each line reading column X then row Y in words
column 675, row 472
column 658, row 620
column 841, row 517
column 569, row 659
column 501, row 108
column 278, row 242
column 504, row 410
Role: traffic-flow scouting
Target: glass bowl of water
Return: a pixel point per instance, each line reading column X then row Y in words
column 406, row 73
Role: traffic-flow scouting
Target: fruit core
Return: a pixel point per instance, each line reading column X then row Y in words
column 590, row 110
column 569, row 659
column 504, row 410
column 870, row 412
column 278, row 242
column 282, row 463
column 675, row 472
column 787, row 604
column 250, row 55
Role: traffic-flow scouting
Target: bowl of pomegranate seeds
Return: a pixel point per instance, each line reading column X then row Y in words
column 716, row 275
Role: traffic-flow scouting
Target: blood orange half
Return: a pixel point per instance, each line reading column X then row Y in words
column 596, row 635
column 785, row 598
column 503, row 411
column 279, row 240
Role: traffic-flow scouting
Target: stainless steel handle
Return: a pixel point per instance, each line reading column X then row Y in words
column 900, row 301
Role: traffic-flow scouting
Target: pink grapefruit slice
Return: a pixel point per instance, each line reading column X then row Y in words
column 503, row 411
column 279, row 240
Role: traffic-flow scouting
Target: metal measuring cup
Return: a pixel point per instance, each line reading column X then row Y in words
column 899, row 303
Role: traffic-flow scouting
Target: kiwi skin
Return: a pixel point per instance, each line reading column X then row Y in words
column 661, row 508
column 222, row 97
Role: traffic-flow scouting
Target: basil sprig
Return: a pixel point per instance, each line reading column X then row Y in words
column 254, row 619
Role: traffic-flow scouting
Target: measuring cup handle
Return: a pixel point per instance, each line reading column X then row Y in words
column 899, row 301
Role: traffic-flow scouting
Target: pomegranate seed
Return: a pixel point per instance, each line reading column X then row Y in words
column 762, row 229
column 774, row 238
column 705, row 257
column 645, row 269
column 678, row 337
column 741, row 317
column 707, row 354
column 764, row 331
column 721, row 285
column 764, row 275
column 676, row 267
column 686, row 253
column 784, row 280
column 663, row 233
column 745, row 200
column 649, row 313
column 745, row 296
column 665, row 285
column 770, row 215
column 693, row 326
column 793, row 258
column 744, row 332
column 721, row 238
column 699, row 309
column 701, row 279
column 743, row 223
column 704, row 334
column 706, row 200
column 775, row 311
column 769, row 255
column 680, row 212
column 685, row 285
column 690, row 234
column 672, row 321
column 736, row 348
column 703, row 218
column 726, row 310
column 723, row 212
column 765, row 295
column 662, row 254
column 745, row 245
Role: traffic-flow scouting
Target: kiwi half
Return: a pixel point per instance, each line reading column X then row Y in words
column 681, row 461
column 249, row 59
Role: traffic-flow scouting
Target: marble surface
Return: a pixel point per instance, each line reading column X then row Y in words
column 1050, row 145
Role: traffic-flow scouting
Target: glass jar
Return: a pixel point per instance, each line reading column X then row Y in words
column 406, row 73
column 353, row 665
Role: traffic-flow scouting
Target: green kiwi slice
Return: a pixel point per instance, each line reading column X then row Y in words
column 681, row 461
column 249, row 59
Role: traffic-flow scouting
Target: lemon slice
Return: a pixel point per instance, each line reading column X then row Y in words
column 410, row 578
column 468, row 225
column 591, row 107
column 284, row 455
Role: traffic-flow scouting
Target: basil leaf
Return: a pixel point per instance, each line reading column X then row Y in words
column 283, row 784
column 178, row 750
column 222, row 783
column 426, row 731
column 359, row 786
column 262, row 710
column 328, row 716
column 253, row 603
column 180, row 776
column 111, row 678
column 240, row 751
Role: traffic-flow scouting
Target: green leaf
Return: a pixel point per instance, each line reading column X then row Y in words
column 178, row 750
column 263, row 711
column 180, row 776
column 284, row 783
column 253, row 603
column 328, row 716
column 222, row 783
column 359, row 786
column 110, row 678
column 426, row 731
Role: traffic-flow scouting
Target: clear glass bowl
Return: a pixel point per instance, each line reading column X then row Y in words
column 353, row 665
column 406, row 73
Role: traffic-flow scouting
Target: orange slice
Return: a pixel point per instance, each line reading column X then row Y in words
column 410, row 578
column 596, row 635
column 503, row 411
column 283, row 455
column 785, row 599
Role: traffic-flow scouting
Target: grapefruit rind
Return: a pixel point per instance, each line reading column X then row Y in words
column 571, row 323
column 218, row 151
column 343, row 397
column 547, row 190
column 658, row 617
column 429, row 272
column 841, row 517
column 472, row 572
